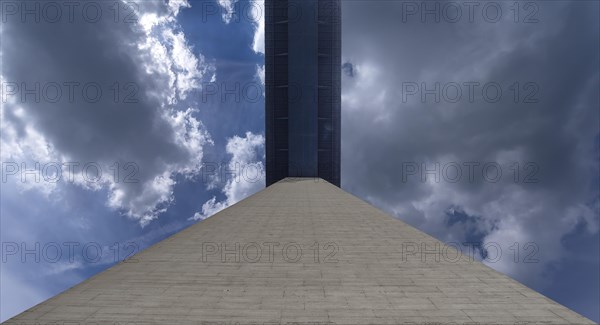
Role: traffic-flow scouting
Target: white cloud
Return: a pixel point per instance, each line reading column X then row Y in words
column 176, row 5
column 228, row 7
column 260, row 75
column 247, row 173
column 258, row 16
column 258, row 43
column 168, row 53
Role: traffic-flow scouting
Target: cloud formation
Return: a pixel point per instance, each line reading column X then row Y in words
column 228, row 7
column 258, row 15
column 258, row 44
column 244, row 175
column 404, row 124
column 135, row 119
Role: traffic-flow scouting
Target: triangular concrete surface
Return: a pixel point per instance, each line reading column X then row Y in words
column 300, row 251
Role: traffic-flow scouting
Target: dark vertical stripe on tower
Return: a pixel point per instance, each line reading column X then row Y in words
column 303, row 80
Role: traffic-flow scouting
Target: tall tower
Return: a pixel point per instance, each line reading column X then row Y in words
column 302, row 250
column 303, row 92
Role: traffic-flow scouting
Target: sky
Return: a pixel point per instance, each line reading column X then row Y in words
column 122, row 125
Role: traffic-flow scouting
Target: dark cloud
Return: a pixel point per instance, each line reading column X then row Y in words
column 137, row 75
column 393, row 129
column 348, row 69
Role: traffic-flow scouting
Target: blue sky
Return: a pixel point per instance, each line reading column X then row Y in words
column 179, row 125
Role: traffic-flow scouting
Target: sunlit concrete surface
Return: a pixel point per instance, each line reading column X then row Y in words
column 302, row 250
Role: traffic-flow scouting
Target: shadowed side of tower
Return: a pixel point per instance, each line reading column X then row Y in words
column 302, row 89
column 302, row 250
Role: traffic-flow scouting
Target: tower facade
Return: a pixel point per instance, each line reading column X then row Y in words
column 302, row 88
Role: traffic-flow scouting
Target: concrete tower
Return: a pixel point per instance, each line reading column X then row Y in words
column 302, row 250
